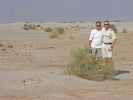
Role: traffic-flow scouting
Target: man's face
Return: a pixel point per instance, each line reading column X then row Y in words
column 98, row 26
column 106, row 25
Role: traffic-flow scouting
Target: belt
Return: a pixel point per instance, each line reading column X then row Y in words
column 107, row 43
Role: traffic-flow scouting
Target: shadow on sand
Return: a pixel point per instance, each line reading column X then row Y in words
column 122, row 74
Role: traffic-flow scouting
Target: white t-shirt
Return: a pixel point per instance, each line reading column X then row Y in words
column 108, row 35
column 96, row 38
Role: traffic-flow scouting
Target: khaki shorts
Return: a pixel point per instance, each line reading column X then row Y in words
column 106, row 51
column 97, row 52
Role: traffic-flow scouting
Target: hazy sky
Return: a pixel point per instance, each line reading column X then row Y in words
column 60, row 9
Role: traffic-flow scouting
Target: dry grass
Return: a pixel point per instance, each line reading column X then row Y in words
column 48, row 29
column 124, row 30
column 53, row 34
column 59, row 30
column 86, row 66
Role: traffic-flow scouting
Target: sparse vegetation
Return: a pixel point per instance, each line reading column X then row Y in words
column 53, row 34
column 26, row 27
column 59, row 30
column 86, row 66
column 114, row 28
column 53, row 31
column 48, row 29
column 124, row 30
column 30, row 26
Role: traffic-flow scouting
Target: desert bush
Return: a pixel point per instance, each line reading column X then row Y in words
column 114, row 28
column 48, row 29
column 87, row 66
column 59, row 30
column 124, row 30
column 32, row 26
column 53, row 34
column 38, row 25
column 26, row 27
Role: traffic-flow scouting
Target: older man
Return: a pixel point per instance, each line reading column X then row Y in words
column 109, row 40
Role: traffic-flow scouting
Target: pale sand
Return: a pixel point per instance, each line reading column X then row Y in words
column 32, row 67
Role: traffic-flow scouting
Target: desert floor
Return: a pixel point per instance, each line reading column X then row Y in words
column 32, row 67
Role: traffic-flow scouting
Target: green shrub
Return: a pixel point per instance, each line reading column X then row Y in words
column 26, row 27
column 114, row 28
column 48, row 29
column 59, row 30
column 32, row 26
column 53, row 34
column 87, row 66
column 124, row 30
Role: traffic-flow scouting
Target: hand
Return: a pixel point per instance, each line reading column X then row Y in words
column 110, row 49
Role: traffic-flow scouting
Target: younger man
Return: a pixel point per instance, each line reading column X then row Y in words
column 95, row 40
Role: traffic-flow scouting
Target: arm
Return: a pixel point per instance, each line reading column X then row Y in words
column 113, row 44
column 90, row 41
column 90, row 38
column 114, row 39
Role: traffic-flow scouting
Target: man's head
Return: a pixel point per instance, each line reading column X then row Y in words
column 106, row 24
column 98, row 25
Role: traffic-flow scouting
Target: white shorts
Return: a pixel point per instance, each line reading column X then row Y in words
column 107, row 51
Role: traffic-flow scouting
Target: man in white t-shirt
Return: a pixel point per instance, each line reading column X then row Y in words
column 95, row 40
column 109, row 40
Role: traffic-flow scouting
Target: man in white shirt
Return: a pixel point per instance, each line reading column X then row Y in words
column 109, row 40
column 95, row 40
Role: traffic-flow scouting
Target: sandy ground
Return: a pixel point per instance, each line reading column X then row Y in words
column 32, row 67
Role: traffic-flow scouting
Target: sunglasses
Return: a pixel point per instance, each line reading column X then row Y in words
column 98, row 25
column 106, row 24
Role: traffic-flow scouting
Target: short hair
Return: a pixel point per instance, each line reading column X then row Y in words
column 98, row 22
